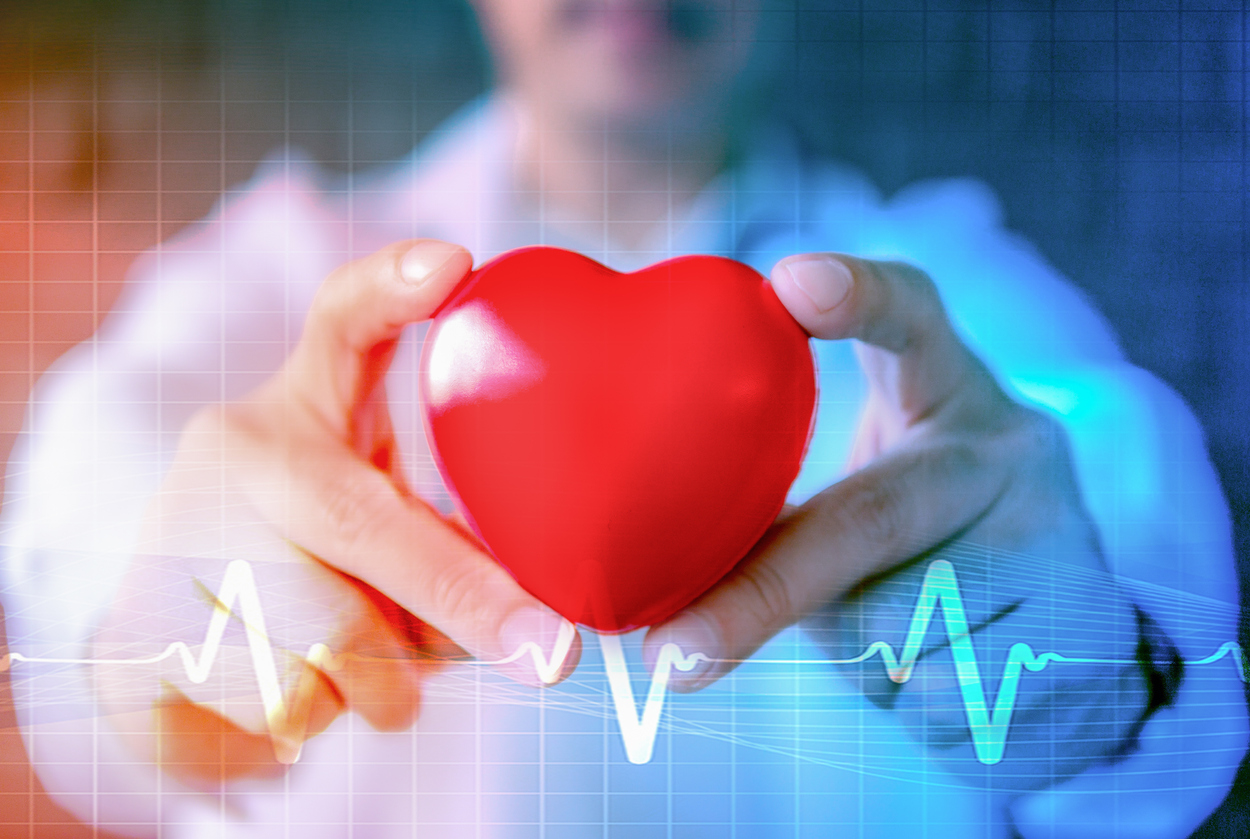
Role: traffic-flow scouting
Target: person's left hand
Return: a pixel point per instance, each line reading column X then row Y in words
column 945, row 467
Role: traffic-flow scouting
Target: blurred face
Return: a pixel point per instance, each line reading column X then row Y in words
column 627, row 63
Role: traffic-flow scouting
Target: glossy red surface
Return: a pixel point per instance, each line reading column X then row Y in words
column 619, row 441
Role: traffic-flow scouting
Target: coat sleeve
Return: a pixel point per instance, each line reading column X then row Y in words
column 204, row 318
column 1145, row 478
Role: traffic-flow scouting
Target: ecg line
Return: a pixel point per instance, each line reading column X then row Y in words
column 638, row 731
column 547, row 667
column 287, row 724
column 989, row 729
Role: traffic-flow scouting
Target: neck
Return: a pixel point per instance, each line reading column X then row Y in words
column 625, row 182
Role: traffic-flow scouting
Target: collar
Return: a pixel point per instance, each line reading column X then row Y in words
column 460, row 185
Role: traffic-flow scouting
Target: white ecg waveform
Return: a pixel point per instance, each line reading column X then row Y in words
column 287, row 722
column 638, row 731
column 547, row 667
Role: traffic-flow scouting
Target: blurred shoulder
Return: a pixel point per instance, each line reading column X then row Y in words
column 247, row 270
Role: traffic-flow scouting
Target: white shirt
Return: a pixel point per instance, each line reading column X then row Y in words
column 770, row 750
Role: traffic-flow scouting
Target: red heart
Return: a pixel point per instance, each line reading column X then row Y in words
column 619, row 441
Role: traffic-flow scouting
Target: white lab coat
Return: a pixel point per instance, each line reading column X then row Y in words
column 773, row 750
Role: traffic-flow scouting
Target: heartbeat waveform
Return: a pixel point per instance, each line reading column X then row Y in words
column 287, row 722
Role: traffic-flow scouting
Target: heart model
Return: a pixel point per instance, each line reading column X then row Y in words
column 618, row 441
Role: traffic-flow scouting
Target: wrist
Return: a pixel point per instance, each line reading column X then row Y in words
column 1163, row 670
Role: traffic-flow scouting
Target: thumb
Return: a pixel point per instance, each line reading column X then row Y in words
column 357, row 317
column 909, row 350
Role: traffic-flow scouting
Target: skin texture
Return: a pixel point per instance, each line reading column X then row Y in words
column 306, row 467
column 614, row 94
column 946, row 466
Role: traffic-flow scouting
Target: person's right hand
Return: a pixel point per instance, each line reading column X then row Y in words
column 302, row 479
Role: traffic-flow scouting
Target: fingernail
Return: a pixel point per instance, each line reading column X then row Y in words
column 825, row 281
column 424, row 259
column 697, row 650
column 540, row 639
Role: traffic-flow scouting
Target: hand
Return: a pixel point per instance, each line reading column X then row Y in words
column 945, row 467
column 302, row 479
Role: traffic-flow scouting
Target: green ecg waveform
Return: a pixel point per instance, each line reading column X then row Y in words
column 989, row 728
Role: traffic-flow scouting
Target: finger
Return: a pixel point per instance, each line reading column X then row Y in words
column 378, row 662
column 203, row 749
column 368, row 662
column 248, row 671
column 206, row 743
column 859, row 527
column 221, row 729
column 377, row 675
column 913, row 358
column 356, row 317
column 350, row 515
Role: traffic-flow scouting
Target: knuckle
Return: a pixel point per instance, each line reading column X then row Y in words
column 383, row 686
column 1036, row 440
column 227, row 421
column 355, row 508
column 954, row 459
column 918, row 283
column 459, row 595
column 766, row 595
column 214, row 432
column 875, row 511
column 353, row 283
column 906, row 309
column 1036, row 430
column 921, row 300
column 331, row 308
column 335, row 291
